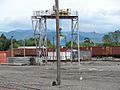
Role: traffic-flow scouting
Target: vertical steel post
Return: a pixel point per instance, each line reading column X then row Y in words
column 11, row 46
column 65, row 47
column 40, row 39
column 78, row 40
column 53, row 47
column 45, row 40
column 94, row 38
column 72, row 40
column 58, row 42
column 24, row 46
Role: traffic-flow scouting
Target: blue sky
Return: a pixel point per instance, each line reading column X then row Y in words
column 95, row 15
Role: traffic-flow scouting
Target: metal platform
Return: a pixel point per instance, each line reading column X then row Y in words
column 39, row 20
column 49, row 15
column 53, row 17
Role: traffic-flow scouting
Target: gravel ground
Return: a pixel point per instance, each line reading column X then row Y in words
column 95, row 75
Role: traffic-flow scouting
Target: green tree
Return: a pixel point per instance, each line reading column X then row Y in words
column 4, row 42
column 112, row 39
column 30, row 42
column 3, row 36
column 49, row 45
column 115, row 36
column 68, row 44
column 107, row 40
column 87, row 42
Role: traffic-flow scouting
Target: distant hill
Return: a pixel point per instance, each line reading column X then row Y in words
column 97, row 37
column 20, row 34
column 24, row 34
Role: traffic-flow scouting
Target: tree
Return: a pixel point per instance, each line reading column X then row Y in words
column 107, row 40
column 3, row 36
column 7, row 44
column 115, row 36
column 4, row 42
column 68, row 44
column 30, row 42
column 87, row 42
column 49, row 44
column 112, row 39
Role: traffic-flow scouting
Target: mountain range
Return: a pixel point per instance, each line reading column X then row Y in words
column 26, row 34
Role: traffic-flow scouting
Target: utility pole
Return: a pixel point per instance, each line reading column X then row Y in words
column 24, row 46
column 53, row 47
column 11, row 46
column 94, row 38
column 65, row 47
column 58, row 41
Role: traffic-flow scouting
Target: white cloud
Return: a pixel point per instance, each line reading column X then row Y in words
column 100, row 21
column 20, row 8
column 97, row 14
column 13, row 24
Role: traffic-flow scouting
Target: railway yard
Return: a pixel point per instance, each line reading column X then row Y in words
column 83, row 63
column 89, row 75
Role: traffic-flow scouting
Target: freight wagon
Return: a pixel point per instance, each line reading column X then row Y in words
column 93, row 51
column 105, row 51
column 98, row 51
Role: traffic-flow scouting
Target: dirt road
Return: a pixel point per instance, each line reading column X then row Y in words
column 94, row 75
